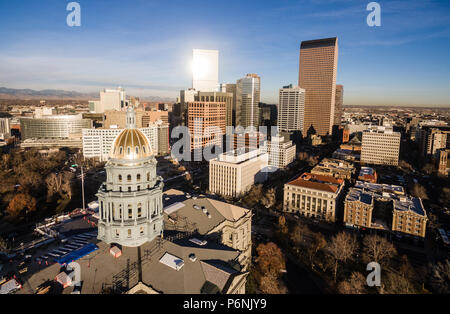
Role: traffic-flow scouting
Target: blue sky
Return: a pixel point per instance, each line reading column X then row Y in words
column 146, row 45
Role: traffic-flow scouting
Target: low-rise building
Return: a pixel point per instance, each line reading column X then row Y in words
column 313, row 195
column 368, row 174
column 358, row 208
column 380, row 146
column 409, row 216
column 336, row 168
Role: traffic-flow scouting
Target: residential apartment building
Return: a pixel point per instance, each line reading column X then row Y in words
column 281, row 152
column 358, row 208
column 313, row 195
column 248, row 93
column 336, row 168
column 234, row 172
column 409, row 216
column 291, row 108
column 380, row 146
column 206, row 123
column 317, row 76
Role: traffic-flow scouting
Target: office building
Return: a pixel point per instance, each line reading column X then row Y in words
column 338, row 105
column 225, row 97
column 234, row 172
column 317, row 76
column 205, row 70
column 206, row 123
column 117, row 118
column 281, row 152
column 380, row 146
column 291, row 108
column 248, row 93
column 153, row 116
column 235, row 111
column 97, row 143
column 314, row 196
column 110, row 99
column 54, row 127
column 5, row 128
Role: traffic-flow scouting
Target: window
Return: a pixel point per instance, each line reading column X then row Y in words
column 129, row 178
column 142, row 230
column 120, row 150
column 120, row 178
column 137, row 150
column 143, row 149
column 129, row 189
column 139, row 210
column 129, row 233
column 130, row 212
column 129, row 150
column 117, row 233
column 138, row 177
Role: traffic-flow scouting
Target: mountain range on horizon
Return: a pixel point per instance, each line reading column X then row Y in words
column 52, row 94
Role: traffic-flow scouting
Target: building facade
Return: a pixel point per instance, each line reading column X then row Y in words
column 336, row 168
column 205, row 70
column 380, row 146
column 339, row 104
column 233, row 173
column 97, row 143
column 317, row 76
column 291, row 108
column 225, row 97
column 314, row 196
column 205, row 120
column 281, row 152
column 56, row 126
column 248, row 93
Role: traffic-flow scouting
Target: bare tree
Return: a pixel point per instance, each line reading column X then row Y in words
column 319, row 243
column 270, row 284
column 440, row 277
column 269, row 198
column 356, row 284
column 377, row 249
column 270, row 259
column 342, row 247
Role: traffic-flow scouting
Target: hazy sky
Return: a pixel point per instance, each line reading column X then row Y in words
column 146, row 45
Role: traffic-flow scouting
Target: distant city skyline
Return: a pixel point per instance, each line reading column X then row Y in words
column 146, row 47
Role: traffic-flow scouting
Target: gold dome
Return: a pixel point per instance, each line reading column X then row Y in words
column 131, row 144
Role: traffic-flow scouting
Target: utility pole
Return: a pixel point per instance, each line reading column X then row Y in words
column 82, row 186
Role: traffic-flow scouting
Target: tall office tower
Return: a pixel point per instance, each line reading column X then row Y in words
column 185, row 97
column 204, row 119
column 380, row 146
column 227, row 98
column 339, row 103
column 231, row 88
column 205, row 70
column 291, row 108
column 247, row 99
column 317, row 75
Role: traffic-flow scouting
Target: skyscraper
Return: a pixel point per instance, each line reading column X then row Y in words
column 317, row 75
column 339, row 102
column 247, row 100
column 291, row 108
column 205, row 70
column 231, row 88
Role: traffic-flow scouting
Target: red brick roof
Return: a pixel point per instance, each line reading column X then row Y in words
column 317, row 182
